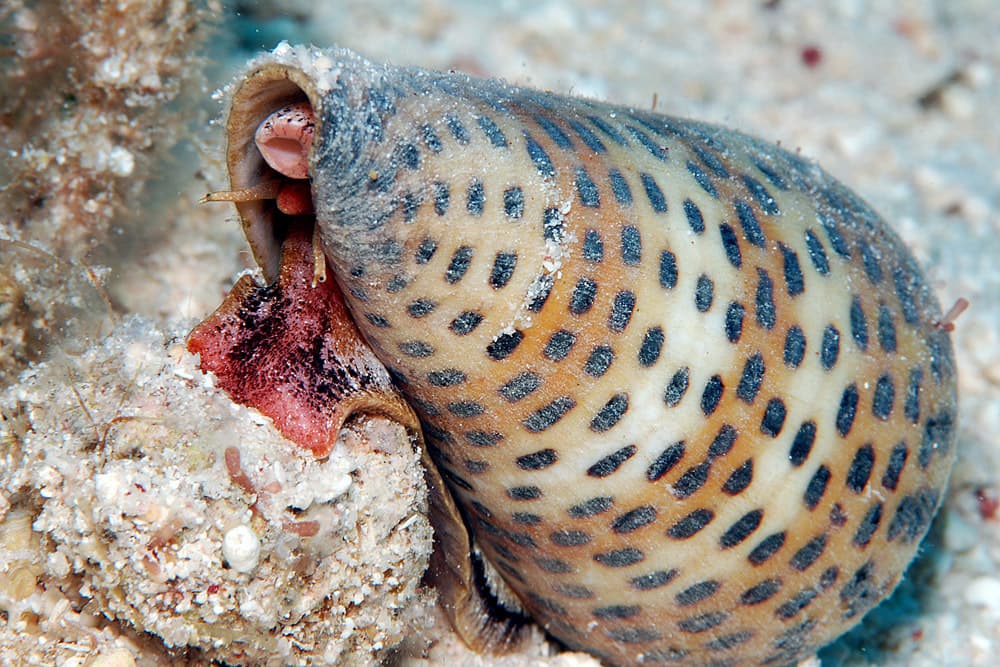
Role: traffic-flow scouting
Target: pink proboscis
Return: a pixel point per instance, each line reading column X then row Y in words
column 285, row 137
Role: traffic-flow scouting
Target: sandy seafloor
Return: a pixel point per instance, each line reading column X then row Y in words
column 897, row 99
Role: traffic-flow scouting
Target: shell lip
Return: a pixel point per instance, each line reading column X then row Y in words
column 264, row 89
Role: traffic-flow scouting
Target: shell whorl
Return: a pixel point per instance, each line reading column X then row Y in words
column 685, row 386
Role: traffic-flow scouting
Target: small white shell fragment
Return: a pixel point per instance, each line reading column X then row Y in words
column 241, row 548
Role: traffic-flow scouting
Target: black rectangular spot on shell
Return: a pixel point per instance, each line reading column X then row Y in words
column 868, row 525
column 697, row 593
column 482, row 438
column 610, row 463
column 537, row 460
column 513, row 203
column 730, row 245
column 723, row 442
column 807, row 555
column 766, row 313
column 794, row 281
column 905, row 283
column 693, row 479
column 704, row 293
column 767, row 548
column 652, row 344
column 702, row 179
column 886, row 329
column 591, row 507
column 647, row 582
column 548, row 415
column 665, row 462
column 620, row 188
column 442, row 197
column 559, row 345
column 795, row 346
column 448, row 377
column 524, row 493
column 748, row 220
column 655, row 149
column 459, row 264
column 741, row 529
column 884, row 397
column 475, row 198
column 709, row 159
column 861, row 468
column 431, row 139
column 525, row 518
column 421, row 308
column 859, row 325
column 816, row 487
column 593, row 142
column 503, row 268
column 774, row 418
column 586, row 190
column 761, row 592
column 609, row 415
column 816, row 253
column 694, row 217
column 797, row 603
column 912, row 516
column 457, row 129
column 691, row 524
column 617, row 611
column 621, row 311
column 830, row 347
column 411, row 204
column 492, row 132
column 620, row 557
column 761, row 195
column 570, row 538
column 608, row 130
column 465, row 323
column 668, row 270
column 870, row 260
column 416, row 348
column 677, row 387
column 653, row 193
column 583, row 296
column 847, row 410
column 599, row 361
column 734, row 321
column 633, row 520
column 751, row 379
column 408, row 155
column 504, row 345
column 554, row 225
column 832, row 230
column 539, row 157
column 555, row 133
column 466, row 409
column 911, row 407
column 739, row 480
column 520, row 386
column 538, row 292
column 425, row 251
column 593, row 246
column 802, row 444
column 893, row 470
column 773, row 176
column 631, row 242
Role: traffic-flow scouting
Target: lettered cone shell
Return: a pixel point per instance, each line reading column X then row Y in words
column 689, row 392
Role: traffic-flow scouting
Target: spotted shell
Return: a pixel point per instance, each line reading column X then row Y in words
column 686, row 389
